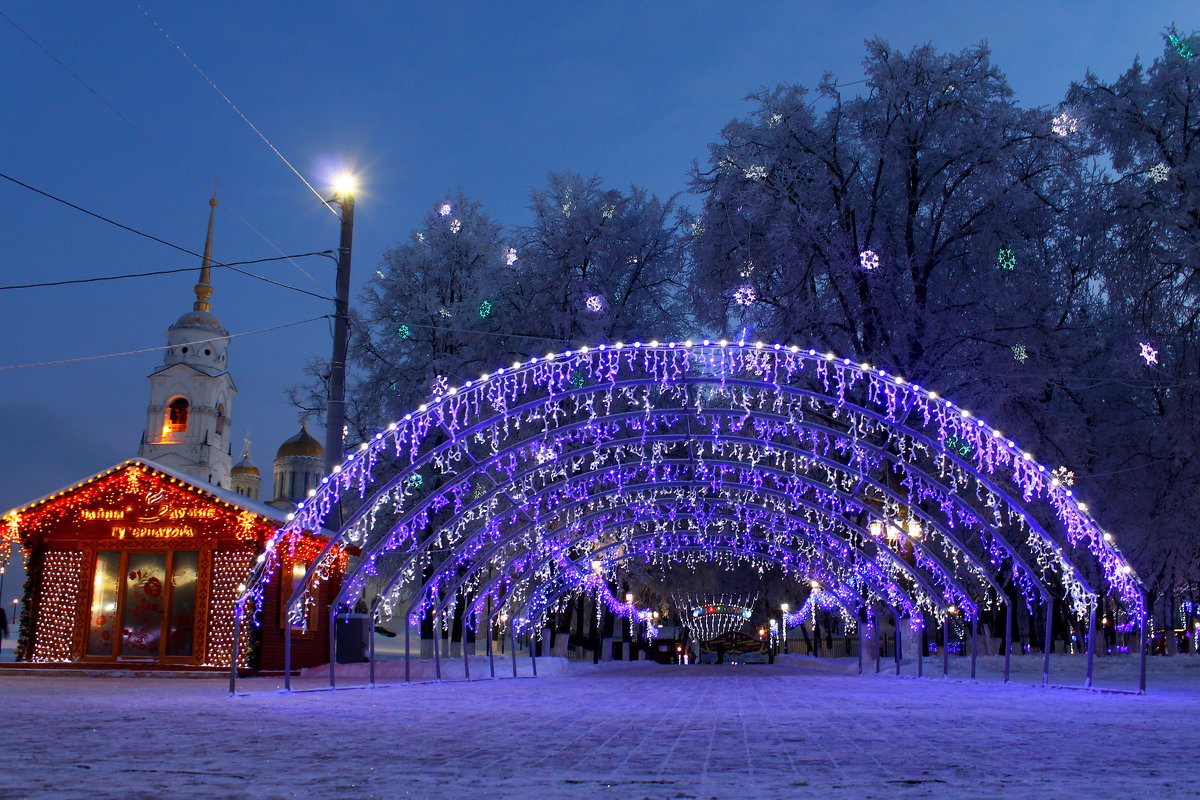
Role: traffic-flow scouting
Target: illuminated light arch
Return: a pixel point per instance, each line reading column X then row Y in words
column 549, row 460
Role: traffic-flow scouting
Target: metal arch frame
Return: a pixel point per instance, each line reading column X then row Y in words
column 823, row 547
column 905, row 397
column 965, row 508
column 685, row 387
column 956, row 545
column 805, row 532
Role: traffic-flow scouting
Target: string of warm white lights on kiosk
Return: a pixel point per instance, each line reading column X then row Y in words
column 884, row 493
column 140, row 565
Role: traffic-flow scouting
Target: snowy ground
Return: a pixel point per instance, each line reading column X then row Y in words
column 621, row 731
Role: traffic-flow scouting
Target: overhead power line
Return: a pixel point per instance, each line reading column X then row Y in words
column 154, row 238
column 232, row 105
column 145, row 135
column 171, row 271
column 164, row 347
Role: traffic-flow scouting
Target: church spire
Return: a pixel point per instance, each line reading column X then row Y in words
column 204, row 288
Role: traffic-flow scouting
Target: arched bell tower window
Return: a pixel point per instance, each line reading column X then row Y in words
column 177, row 414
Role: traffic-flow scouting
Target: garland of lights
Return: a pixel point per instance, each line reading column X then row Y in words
column 523, row 453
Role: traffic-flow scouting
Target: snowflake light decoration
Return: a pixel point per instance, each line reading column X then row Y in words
column 868, row 260
column 544, row 453
column 774, row 120
column 1158, row 173
column 1020, row 353
column 608, row 212
column 697, row 227
column 1149, row 354
column 444, row 209
column 1006, row 259
column 420, row 237
column 485, row 309
column 510, row 257
column 404, row 332
column 745, row 295
column 455, row 226
column 444, row 313
column 595, row 304
column 756, row 172
column 1063, row 475
column 1064, row 124
column 415, row 481
column 578, row 379
column 567, row 208
column 1181, row 45
column 440, row 385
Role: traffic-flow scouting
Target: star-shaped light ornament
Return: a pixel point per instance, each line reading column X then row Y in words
column 1064, row 124
column 1063, row 476
column 745, row 295
column 1149, row 354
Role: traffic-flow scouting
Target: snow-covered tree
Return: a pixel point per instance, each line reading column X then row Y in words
column 905, row 227
column 598, row 265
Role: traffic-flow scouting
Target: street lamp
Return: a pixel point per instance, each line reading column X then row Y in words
column 335, row 411
column 784, row 608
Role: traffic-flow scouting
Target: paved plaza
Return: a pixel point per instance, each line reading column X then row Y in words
column 629, row 731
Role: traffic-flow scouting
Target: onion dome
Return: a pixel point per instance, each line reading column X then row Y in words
column 244, row 467
column 302, row 444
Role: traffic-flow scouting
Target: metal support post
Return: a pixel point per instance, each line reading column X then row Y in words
column 491, row 652
column 407, row 646
column 861, row 627
column 437, row 641
column 532, row 653
column 332, row 647
column 974, row 644
column 896, row 653
column 466, row 663
column 946, row 647
column 512, row 640
column 1049, row 604
column 287, row 654
column 1007, row 638
column 1091, row 653
column 1142, row 659
column 371, row 641
column 233, row 650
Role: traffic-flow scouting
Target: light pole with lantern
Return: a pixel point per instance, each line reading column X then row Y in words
column 335, row 409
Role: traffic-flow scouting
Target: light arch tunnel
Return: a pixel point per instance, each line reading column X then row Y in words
column 512, row 493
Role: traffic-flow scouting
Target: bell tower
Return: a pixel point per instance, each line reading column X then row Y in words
column 188, row 424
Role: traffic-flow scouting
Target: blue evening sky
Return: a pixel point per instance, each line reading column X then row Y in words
column 420, row 98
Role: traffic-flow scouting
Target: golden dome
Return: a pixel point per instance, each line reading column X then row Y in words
column 245, row 468
column 302, row 444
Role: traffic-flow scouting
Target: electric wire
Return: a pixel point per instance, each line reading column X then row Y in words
column 232, row 105
column 154, row 238
column 171, row 271
column 159, row 348
column 162, row 151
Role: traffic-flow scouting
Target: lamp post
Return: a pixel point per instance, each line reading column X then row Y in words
column 783, row 607
column 335, row 410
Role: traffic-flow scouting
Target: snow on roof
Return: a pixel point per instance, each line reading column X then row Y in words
column 269, row 513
